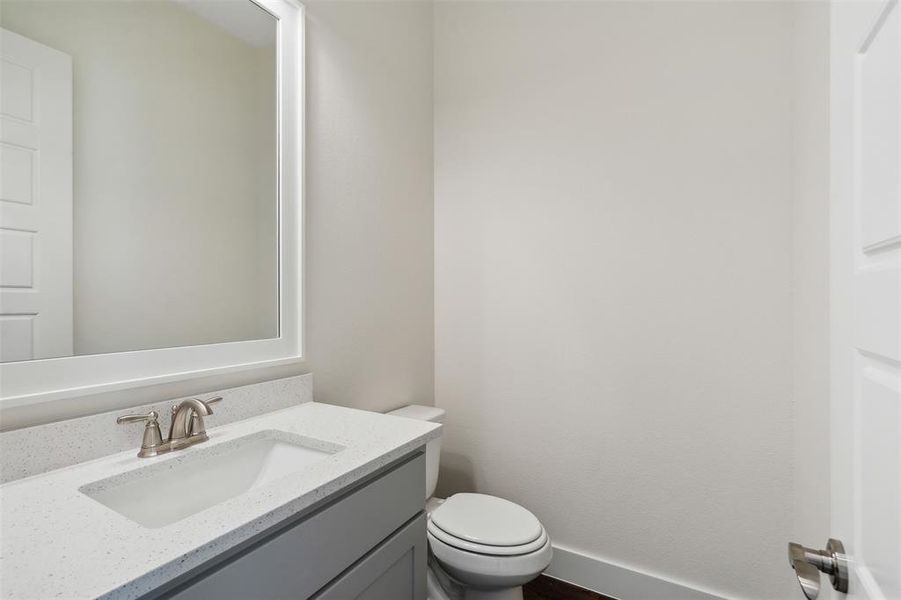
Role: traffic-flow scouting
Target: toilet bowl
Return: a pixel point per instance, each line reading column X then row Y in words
column 481, row 547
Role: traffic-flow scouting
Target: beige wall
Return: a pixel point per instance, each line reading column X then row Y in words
column 614, row 277
column 175, row 222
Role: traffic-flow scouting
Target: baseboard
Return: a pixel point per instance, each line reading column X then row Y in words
column 617, row 581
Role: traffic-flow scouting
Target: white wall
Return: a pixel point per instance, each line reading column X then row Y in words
column 614, row 277
column 175, row 222
column 369, row 246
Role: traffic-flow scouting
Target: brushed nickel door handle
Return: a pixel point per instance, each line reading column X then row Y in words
column 808, row 563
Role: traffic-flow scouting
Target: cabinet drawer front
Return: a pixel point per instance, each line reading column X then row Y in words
column 298, row 561
column 395, row 570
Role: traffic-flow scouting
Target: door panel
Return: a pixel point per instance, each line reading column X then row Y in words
column 878, row 101
column 877, row 324
column 17, row 333
column 879, row 484
column 16, row 258
column 17, row 173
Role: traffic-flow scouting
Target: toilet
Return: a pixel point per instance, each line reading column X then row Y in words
column 481, row 547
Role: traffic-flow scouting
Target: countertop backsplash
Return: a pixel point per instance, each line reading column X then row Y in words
column 42, row 448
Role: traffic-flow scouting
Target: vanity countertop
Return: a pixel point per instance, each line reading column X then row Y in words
column 56, row 542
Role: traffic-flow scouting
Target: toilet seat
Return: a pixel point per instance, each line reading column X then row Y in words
column 488, row 549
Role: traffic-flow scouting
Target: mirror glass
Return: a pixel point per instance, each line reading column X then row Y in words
column 139, row 186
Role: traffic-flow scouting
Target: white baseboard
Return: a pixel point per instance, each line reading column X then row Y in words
column 617, row 581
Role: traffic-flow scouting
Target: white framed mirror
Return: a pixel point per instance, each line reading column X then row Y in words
column 151, row 192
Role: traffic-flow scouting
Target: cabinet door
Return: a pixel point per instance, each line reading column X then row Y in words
column 394, row 570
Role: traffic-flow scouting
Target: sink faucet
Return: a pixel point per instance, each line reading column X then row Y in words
column 186, row 429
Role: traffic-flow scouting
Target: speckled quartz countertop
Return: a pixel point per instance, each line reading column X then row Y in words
column 56, row 542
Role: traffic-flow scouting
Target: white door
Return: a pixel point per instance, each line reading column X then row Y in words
column 35, row 200
column 866, row 293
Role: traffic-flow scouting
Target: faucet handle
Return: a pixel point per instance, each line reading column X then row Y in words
column 153, row 439
column 212, row 400
column 149, row 417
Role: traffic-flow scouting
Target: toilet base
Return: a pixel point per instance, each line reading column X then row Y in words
column 508, row 594
column 451, row 590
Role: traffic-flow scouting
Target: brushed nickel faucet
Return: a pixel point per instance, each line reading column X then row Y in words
column 186, row 428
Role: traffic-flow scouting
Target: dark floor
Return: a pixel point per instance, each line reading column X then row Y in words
column 547, row 588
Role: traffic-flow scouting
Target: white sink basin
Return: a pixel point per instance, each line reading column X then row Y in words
column 161, row 494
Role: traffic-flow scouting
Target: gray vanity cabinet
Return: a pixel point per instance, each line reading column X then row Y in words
column 367, row 543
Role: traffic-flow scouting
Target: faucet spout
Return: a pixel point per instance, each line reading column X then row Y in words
column 184, row 414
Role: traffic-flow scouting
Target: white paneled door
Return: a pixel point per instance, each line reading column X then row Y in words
column 866, row 293
column 35, row 200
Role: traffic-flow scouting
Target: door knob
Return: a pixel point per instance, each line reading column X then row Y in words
column 808, row 563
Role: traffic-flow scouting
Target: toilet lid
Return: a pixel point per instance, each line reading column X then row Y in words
column 435, row 532
column 487, row 520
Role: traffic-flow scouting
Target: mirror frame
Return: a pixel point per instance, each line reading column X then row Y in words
column 45, row 380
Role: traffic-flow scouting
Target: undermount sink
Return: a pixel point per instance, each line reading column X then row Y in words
column 164, row 493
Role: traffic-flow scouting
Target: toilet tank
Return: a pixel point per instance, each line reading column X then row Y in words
column 433, row 448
